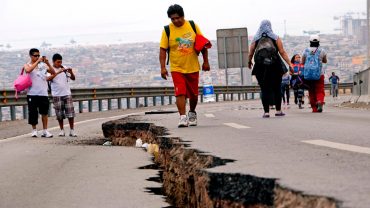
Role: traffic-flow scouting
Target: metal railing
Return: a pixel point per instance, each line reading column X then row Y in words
column 147, row 94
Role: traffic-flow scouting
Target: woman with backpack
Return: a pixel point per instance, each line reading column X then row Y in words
column 268, row 66
column 313, row 74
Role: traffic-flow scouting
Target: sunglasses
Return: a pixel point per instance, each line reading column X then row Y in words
column 36, row 55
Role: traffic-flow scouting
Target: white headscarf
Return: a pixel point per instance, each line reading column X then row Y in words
column 265, row 27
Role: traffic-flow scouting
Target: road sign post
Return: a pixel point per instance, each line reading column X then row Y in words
column 232, row 46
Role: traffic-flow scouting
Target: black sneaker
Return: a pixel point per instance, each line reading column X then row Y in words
column 280, row 114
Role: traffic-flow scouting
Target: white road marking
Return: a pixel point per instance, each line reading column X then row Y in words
column 209, row 115
column 340, row 146
column 28, row 135
column 78, row 123
column 237, row 126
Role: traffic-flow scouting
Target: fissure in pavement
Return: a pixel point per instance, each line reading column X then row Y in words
column 187, row 183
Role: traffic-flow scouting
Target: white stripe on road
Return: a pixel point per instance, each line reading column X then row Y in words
column 209, row 115
column 77, row 123
column 340, row 146
column 237, row 126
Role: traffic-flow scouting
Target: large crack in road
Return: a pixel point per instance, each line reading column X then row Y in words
column 187, row 183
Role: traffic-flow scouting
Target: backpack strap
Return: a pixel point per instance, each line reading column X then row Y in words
column 193, row 26
column 317, row 49
column 167, row 30
column 65, row 72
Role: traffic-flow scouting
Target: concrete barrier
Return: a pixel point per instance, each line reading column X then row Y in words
column 361, row 86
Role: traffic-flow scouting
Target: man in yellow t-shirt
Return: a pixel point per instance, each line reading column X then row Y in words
column 184, row 63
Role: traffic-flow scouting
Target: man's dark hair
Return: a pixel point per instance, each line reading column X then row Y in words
column 175, row 9
column 34, row 50
column 56, row 57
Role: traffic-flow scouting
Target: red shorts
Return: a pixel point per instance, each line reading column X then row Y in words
column 186, row 84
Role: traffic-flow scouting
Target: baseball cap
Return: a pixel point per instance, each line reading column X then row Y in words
column 314, row 38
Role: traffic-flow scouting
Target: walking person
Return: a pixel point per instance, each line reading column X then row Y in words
column 62, row 96
column 313, row 57
column 268, row 67
column 285, row 88
column 184, row 64
column 37, row 95
column 296, row 80
column 334, row 80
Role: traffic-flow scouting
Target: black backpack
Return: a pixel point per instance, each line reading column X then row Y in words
column 167, row 30
column 266, row 51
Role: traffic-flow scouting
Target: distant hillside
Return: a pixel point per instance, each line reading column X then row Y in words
column 136, row 64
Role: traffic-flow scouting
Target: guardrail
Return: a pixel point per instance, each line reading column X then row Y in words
column 223, row 93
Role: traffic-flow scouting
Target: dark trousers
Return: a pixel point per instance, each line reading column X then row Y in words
column 295, row 96
column 269, row 94
column 285, row 92
column 37, row 105
column 269, row 80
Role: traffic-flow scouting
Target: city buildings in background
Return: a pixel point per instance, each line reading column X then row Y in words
column 353, row 25
column 136, row 64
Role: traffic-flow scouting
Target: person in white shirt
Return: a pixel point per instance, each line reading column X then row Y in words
column 37, row 95
column 62, row 96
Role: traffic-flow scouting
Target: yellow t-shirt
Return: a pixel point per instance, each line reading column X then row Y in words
column 183, row 57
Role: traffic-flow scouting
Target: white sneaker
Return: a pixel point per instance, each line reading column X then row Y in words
column 72, row 133
column 62, row 133
column 192, row 118
column 34, row 133
column 46, row 134
column 184, row 122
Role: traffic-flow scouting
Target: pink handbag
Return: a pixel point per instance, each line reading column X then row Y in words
column 22, row 82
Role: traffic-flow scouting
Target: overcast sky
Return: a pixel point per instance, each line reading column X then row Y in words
column 27, row 19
